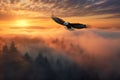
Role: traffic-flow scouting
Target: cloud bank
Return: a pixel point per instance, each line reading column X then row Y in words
column 43, row 8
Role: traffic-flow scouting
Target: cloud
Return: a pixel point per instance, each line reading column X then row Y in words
column 109, row 17
column 68, row 8
column 32, row 28
column 95, row 49
column 1, row 29
column 6, row 17
column 94, row 42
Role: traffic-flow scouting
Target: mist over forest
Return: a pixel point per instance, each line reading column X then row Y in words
column 78, row 55
column 59, row 39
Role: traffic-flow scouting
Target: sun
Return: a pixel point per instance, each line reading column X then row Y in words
column 22, row 23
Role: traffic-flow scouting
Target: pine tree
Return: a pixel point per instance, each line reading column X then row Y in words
column 28, row 57
column 5, row 49
column 13, row 47
column 40, row 59
column 42, row 68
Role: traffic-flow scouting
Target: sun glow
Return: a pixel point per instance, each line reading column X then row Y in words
column 22, row 23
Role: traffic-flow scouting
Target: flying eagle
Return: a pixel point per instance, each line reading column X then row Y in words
column 68, row 25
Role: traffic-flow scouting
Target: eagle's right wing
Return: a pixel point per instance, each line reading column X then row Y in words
column 58, row 20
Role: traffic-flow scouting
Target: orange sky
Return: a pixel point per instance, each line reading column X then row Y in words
column 26, row 16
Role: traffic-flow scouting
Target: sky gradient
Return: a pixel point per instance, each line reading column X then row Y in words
column 29, row 15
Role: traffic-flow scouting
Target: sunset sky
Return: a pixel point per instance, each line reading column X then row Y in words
column 29, row 16
column 29, row 25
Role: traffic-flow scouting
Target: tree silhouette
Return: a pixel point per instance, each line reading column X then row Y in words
column 14, row 65
column 13, row 48
column 42, row 69
column 28, row 57
column 5, row 49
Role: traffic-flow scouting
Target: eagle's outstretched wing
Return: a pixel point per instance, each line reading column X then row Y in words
column 58, row 20
column 78, row 25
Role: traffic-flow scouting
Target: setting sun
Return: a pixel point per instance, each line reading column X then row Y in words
column 22, row 23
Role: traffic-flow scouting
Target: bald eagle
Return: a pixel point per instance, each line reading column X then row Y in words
column 68, row 25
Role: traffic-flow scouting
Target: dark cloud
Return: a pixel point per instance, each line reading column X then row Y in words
column 84, row 7
column 65, row 7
